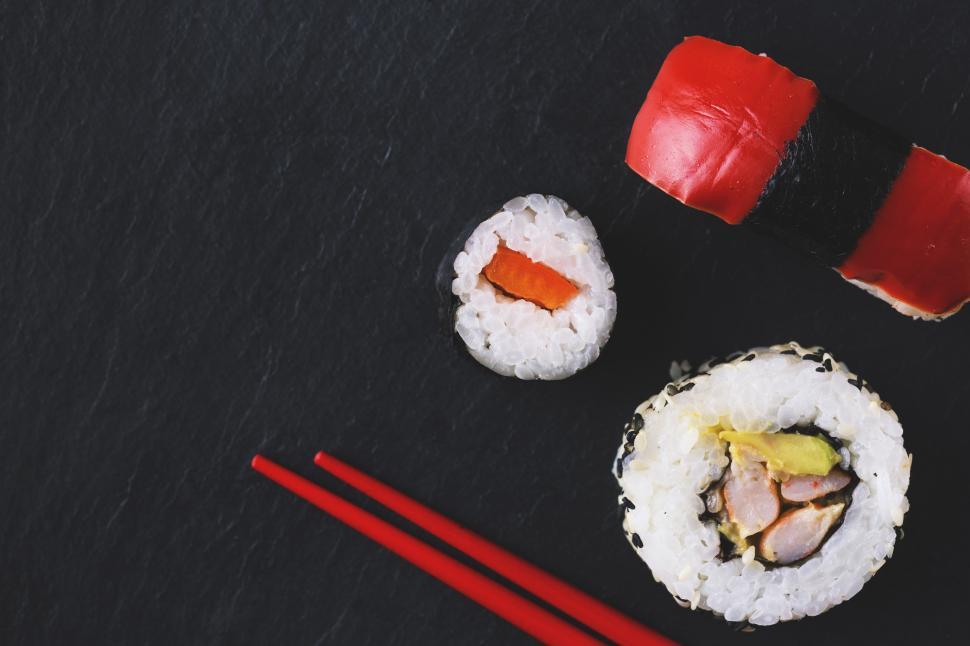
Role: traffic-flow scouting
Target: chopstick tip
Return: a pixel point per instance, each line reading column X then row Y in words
column 257, row 461
column 320, row 458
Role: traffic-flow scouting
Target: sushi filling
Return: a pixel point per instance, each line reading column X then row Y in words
column 781, row 496
column 517, row 275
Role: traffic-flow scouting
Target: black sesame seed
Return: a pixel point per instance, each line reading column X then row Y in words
column 628, row 504
column 740, row 626
column 619, row 467
column 856, row 382
column 688, row 386
column 672, row 390
column 637, row 421
column 788, row 352
column 828, row 364
column 820, row 369
column 636, row 540
column 750, row 357
column 817, row 358
column 885, row 406
column 631, row 435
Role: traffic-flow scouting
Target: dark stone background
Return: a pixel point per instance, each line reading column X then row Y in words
column 221, row 225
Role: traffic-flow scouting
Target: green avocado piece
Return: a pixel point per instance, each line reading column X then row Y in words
column 733, row 534
column 789, row 453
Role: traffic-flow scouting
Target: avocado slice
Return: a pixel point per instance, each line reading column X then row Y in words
column 789, row 453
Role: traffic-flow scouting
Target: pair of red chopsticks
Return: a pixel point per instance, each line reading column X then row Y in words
column 509, row 605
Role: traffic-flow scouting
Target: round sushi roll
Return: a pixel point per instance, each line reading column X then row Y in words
column 535, row 289
column 764, row 488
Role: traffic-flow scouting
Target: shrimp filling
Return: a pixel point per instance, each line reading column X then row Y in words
column 781, row 496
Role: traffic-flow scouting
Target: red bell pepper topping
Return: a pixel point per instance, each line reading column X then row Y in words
column 715, row 123
column 917, row 249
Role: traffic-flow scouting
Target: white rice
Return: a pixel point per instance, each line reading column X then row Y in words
column 675, row 458
column 516, row 337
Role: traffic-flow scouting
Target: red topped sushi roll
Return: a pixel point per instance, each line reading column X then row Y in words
column 744, row 138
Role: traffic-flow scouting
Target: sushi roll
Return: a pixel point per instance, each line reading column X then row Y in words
column 765, row 488
column 742, row 137
column 535, row 290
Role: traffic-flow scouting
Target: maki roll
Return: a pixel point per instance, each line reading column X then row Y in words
column 765, row 488
column 535, row 290
column 742, row 137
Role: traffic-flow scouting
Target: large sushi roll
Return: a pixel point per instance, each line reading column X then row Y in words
column 742, row 137
column 765, row 488
column 535, row 290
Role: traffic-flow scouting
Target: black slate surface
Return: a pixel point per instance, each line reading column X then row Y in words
column 221, row 225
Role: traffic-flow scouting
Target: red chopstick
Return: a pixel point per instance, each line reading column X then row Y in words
column 572, row 601
column 512, row 607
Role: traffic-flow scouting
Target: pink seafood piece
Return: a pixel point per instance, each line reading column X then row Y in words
column 751, row 498
column 798, row 533
column 807, row 487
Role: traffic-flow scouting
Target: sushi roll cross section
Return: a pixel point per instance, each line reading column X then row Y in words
column 765, row 488
column 738, row 135
column 535, row 290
